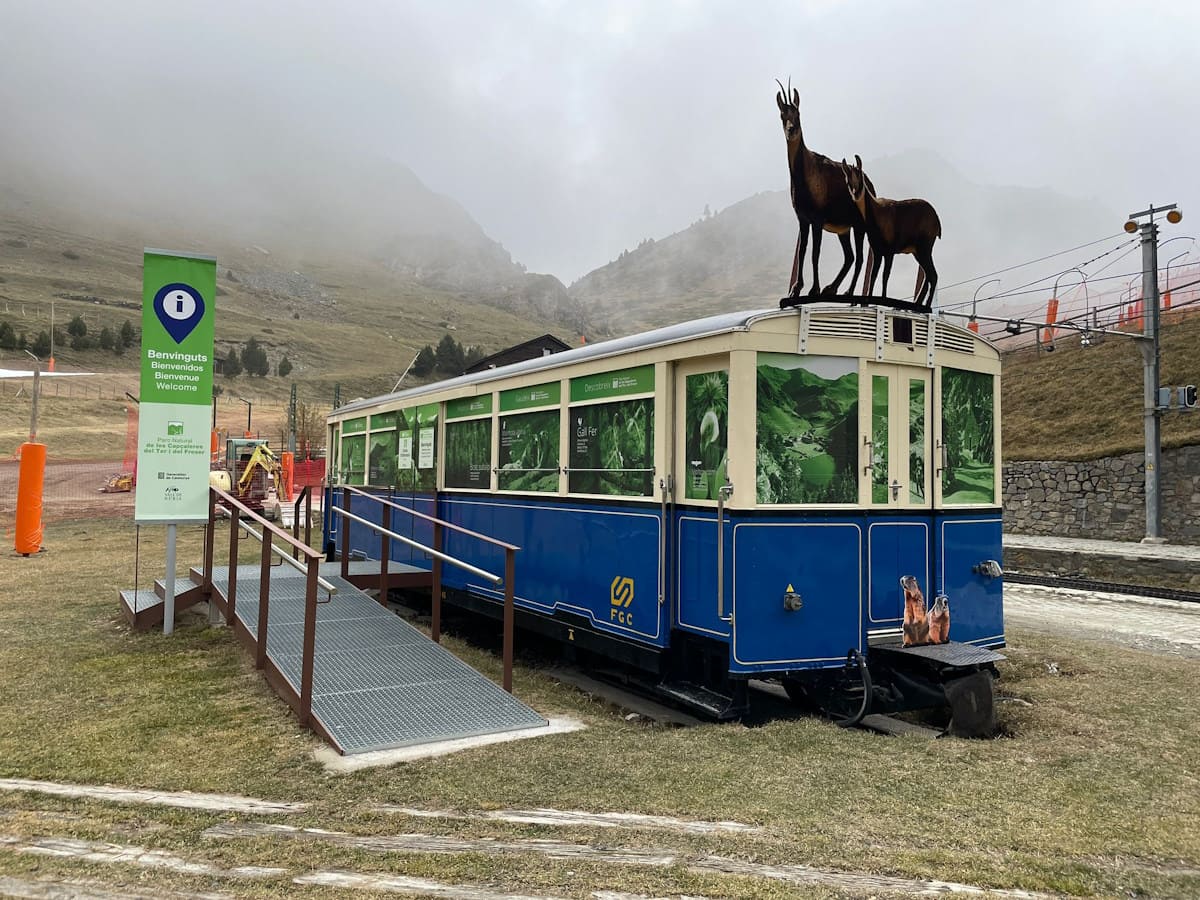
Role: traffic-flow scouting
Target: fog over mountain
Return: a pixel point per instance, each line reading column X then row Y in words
column 465, row 142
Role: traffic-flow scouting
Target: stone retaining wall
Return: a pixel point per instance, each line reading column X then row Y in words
column 1104, row 499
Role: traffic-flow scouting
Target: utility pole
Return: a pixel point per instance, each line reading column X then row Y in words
column 292, row 420
column 1152, row 414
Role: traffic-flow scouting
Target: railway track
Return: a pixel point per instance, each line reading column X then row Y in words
column 1084, row 584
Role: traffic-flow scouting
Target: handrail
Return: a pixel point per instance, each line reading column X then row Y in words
column 444, row 557
column 435, row 621
column 305, row 495
column 300, row 567
column 274, row 529
column 301, row 701
column 428, row 518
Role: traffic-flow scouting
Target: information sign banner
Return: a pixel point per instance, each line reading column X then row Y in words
column 178, row 301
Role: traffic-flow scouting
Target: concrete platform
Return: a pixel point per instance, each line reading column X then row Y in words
column 1175, row 566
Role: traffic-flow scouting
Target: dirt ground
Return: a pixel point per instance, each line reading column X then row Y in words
column 71, row 490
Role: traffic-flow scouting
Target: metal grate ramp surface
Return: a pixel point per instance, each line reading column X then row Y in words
column 378, row 682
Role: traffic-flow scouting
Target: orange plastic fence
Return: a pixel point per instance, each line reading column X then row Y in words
column 30, row 478
column 288, row 465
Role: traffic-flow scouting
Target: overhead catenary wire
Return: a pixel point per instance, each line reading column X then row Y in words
column 1033, row 262
column 1019, row 289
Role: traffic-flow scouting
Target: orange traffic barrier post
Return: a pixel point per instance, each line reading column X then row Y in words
column 30, row 480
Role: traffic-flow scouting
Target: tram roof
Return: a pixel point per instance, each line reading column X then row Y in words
column 644, row 340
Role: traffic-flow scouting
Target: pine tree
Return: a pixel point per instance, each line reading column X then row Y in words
column 8, row 337
column 284, row 369
column 233, row 365
column 126, row 336
column 107, row 340
column 41, row 345
column 425, row 362
column 77, row 328
column 254, row 359
column 449, row 355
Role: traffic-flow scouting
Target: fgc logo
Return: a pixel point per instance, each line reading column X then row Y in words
column 621, row 596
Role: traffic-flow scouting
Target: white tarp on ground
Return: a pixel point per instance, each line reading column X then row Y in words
column 28, row 373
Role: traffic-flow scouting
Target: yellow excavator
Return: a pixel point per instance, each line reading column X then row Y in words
column 250, row 474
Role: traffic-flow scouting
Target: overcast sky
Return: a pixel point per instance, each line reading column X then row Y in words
column 572, row 130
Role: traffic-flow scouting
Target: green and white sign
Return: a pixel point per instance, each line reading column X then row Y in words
column 638, row 380
column 465, row 407
column 548, row 394
column 178, row 300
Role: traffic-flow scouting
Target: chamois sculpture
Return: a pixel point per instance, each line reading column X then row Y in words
column 895, row 226
column 820, row 201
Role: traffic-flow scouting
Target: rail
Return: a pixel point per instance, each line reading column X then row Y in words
column 301, row 701
column 439, row 527
column 305, row 497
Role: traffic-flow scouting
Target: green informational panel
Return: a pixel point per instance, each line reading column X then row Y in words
column 916, row 440
column 354, row 452
column 354, row 426
column 469, row 454
column 178, row 303
column 382, row 421
column 706, row 444
column 466, row 407
column 638, row 380
column 548, row 394
column 381, row 461
column 807, row 429
column 879, row 438
column 968, row 434
column 529, row 459
column 612, row 448
column 416, row 448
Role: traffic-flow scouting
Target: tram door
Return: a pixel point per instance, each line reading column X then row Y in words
column 897, row 466
column 701, row 458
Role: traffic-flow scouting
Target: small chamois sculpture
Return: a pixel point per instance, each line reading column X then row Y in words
column 820, row 201
column 895, row 226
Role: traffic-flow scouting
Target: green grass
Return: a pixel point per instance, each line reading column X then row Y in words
column 1083, row 403
column 1094, row 791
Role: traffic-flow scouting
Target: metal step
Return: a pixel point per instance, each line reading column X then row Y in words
column 889, row 725
column 953, row 653
column 719, row 706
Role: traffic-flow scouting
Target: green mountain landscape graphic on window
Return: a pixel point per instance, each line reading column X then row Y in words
column 807, row 429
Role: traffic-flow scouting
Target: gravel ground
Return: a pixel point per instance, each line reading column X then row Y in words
column 1161, row 626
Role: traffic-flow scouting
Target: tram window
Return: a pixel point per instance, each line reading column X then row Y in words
column 968, row 432
column 879, row 438
column 529, row 452
column 612, row 448
column 381, row 461
column 706, row 444
column 469, row 454
column 807, row 429
column 354, row 459
column 916, row 440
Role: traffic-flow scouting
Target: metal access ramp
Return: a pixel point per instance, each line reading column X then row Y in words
column 377, row 682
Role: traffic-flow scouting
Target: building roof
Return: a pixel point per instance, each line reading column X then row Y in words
column 526, row 350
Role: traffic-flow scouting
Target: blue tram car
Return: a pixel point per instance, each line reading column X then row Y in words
column 737, row 497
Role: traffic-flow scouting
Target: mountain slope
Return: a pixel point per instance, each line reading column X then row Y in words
column 331, row 205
